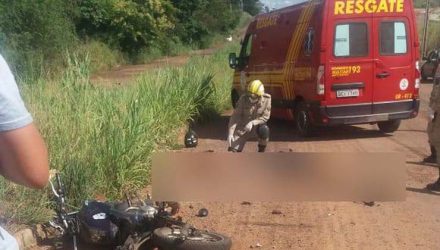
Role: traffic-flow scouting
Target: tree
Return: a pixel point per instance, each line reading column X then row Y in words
column 127, row 24
column 32, row 32
column 199, row 20
column 252, row 7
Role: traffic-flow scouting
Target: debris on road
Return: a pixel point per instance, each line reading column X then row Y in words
column 258, row 245
column 276, row 211
column 369, row 203
column 203, row 212
column 246, row 203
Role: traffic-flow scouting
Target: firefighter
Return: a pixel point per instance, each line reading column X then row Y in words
column 432, row 101
column 434, row 128
column 249, row 118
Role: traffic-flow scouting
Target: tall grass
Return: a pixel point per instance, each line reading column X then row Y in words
column 102, row 57
column 433, row 40
column 433, row 34
column 102, row 139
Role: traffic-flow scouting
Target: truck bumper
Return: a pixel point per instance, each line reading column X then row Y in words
column 364, row 113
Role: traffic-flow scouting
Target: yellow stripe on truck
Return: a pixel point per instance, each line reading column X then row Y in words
column 294, row 48
column 288, row 62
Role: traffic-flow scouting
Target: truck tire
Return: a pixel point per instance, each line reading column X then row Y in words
column 165, row 240
column 303, row 121
column 389, row 126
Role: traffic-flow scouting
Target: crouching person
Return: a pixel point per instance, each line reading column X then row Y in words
column 249, row 118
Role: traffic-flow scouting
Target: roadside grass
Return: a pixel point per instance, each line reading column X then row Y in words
column 433, row 41
column 102, row 139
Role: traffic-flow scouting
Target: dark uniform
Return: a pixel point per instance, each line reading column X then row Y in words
column 435, row 95
column 434, row 127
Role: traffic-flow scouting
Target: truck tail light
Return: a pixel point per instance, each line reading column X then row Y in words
column 418, row 75
column 320, row 80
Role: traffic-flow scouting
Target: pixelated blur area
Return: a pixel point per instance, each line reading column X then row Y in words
column 227, row 177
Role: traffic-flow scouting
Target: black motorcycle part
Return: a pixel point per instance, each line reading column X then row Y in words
column 203, row 212
column 191, row 139
column 95, row 227
column 165, row 239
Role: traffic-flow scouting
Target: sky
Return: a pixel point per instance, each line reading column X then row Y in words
column 276, row 4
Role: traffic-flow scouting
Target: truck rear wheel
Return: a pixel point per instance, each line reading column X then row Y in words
column 389, row 126
column 303, row 121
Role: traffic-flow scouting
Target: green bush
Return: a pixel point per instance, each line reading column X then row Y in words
column 102, row 57
column 168, row 47
column 130, row 25
column 199, row 20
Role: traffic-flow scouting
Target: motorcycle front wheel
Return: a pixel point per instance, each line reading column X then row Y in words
column 167, row 238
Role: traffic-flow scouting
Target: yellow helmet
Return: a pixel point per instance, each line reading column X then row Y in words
column 256, row 87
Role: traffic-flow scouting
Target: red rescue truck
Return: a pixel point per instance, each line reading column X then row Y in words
column 334, row 62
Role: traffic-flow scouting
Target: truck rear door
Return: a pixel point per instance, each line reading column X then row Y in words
column 349, row 87
column 394, row 67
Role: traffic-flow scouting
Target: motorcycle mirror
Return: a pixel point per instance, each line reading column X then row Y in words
column 233, row 62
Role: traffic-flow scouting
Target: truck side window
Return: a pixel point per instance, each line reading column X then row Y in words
column 351, row 40
column 393, row 39
column 246, row 50
column 308, row 43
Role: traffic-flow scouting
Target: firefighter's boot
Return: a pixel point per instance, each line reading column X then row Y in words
column 433, row 157
column 434, row 186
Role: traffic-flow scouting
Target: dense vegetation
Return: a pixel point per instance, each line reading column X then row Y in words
column 34, row 35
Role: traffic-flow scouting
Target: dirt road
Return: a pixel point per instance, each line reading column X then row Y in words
column 128, row 73
column 413, row 224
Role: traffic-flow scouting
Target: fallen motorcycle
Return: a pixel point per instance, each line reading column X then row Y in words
column 129, row 226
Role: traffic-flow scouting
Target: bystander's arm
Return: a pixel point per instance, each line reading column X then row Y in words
column 24, row 157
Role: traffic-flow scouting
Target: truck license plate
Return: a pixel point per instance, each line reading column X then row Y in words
column 347, row 93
